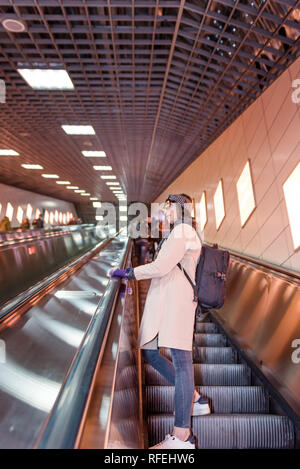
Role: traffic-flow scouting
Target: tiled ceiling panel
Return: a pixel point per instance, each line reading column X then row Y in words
column 158, row 80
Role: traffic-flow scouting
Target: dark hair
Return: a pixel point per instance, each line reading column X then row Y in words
column 187, row 197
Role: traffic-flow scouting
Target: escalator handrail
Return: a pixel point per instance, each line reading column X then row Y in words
column 39, row 234
column 28, row 294
column 65, row 420
column 254, row 260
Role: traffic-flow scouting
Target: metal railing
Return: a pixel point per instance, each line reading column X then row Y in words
column 29, row 297
column 258, row 262
column 64, row 423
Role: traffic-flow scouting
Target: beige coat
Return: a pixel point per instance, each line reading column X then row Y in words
column 169, row 309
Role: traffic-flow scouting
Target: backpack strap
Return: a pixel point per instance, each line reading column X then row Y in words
column 194, row 287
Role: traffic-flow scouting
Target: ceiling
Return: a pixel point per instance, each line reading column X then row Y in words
column 158, row 80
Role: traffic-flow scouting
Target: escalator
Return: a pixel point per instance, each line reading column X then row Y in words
column 73, row 377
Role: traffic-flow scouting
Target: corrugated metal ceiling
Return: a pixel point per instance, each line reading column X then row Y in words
column 158, row 80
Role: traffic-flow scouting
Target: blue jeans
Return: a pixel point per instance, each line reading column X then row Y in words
column 179, row 373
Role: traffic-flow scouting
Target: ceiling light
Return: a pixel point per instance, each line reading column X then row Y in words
column 13, row 25
column 32, row 166
column 94, row 198
column 96, row 204
column 50, row 176
column 93, row 154
column 113, row 183
column 46, row 79
column 78, row 129
column 9, row 153
column 102, row 168
column 64, row 183
column 85, row 194
column 79, row 191
column 109, row 177
column 72, row 187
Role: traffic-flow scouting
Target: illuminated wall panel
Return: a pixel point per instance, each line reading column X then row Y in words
column 291, row 189
column 20, row 215
column 219, row 205
column 245, row 194
column 9, row 211
column 29, row 211
column 203, row 211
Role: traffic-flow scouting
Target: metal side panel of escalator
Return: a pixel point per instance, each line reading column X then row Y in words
column 247, row 409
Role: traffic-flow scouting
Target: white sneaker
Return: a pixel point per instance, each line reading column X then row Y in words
column 201, row 407
column 172, row 442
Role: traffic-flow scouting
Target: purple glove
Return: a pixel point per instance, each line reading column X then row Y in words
column 121, row 273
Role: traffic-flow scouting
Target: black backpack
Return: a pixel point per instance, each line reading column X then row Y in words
column 211, row 274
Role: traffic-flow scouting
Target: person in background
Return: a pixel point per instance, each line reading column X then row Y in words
column 25, row 225
column 5, row 224
column 39, row 222
column 169, row 315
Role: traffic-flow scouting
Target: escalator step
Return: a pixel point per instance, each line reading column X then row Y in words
column 211, row 355
column 230, row 431
column 207, row 327
column 223, row 399
column 207, row 375
column 211, row 340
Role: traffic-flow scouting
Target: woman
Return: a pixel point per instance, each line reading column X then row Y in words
column 168, row 317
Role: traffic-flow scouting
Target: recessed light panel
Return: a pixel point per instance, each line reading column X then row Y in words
column 102, row 168
column 219, row 205
column 32, row 166
column 245, row 194
column 8, row 152
column 50, row 176
column 94, row 153
column 63, row 183
column 109, row 177
column 46, row 79
column 78, row 129
column 291, row 189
